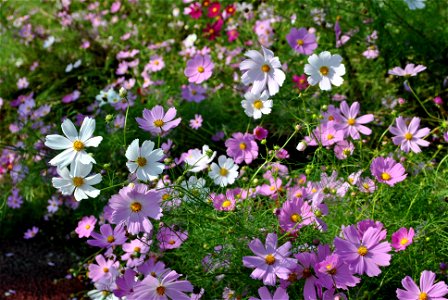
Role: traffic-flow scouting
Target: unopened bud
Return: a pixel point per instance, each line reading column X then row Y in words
column 297, row 127
column 109, row 118
column 263, row 142
column 301, row 146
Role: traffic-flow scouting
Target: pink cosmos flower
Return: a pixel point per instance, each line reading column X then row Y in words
column 301, row 41
column 409, row 70
column 103, row 270
column 300, row 81
column 344, row 149
column 224, row 202
column 264, row 294
column 199, row 68
column 161, row 288
column 333, row 271
column 402, row 238
column 135, row 253
column 409, row 137
column 156, row 63
column 270, row 262
column 196, row 123
column 85, row 226
column 260, row 133
column 371, row 52
column 109, row 237
column 363, row 254
column 242, row 147
column 427, row 290
column 232, row 35
column 349, row 123
column 193, row 93
column 125, row 283
column 169, row 238
column 133, row 205
column 387, row 170
column 30, row 233
column 295, row 214
column 157, row 122
column 22, row 83
column 194, row 10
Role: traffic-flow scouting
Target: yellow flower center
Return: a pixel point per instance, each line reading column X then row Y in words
column 156, row 62
column 158, row 123
column 223, row 172
column 258, row 104
column 171, row 242
column 105, row 270
column 87, row 227
column 201, row 69
column 296, row 218
column 165, row 197
column 141, row 161
column 323, row 70
column 110, row 239
column 330, row 118
column 351, row 121
column 362, row 250
column 408, row 136
column 365, row 185
column 385, row 176
column 330, row 136
column 226, row 203
column 160, row 290
column 78, row 181
column 346, row 152
column 269, row 259
column 330, row 269
column 194, row 92
column 300, row 42
column 78, row 145
column 404, row 241
column 265, row 68
column 423, row 296
column 136, row 206
column 137, row 249
column 243, row 146
column 298, row 195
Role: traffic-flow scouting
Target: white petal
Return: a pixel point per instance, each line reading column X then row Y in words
column 60, row 182
column 272, row 86
column 91, row 191
column 69, row 130
column 87, row 129
column 93, row 142
column 57, row 142
column 79, row 194
column 147, row 147
column 81, row 170
column 256, row 56
column 94, row 179
column 85, row 158
column 132, row 166
column 64, row 158
column 325, row 84
column 337, row 80
column 279, row 76
column 248, row 64
column 132, row 151
column 141, row 174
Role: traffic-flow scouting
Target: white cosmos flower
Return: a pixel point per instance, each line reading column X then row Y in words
column 73, row 144
column 262, row 70
column 144, row 160
column 325, row 69
column 256, row 105
column 76, row 180
column 197, row 160
column 225, row 172
column 196, row 188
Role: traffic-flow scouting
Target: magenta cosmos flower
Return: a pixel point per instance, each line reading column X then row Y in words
column 109, row 237
column 269, row 261
column 171, row 239
column 199, row 68
column 387, row 170
column 427, row 290
column 162, row 288
column 242, row 147
column 85, row 226
column 409, row 70
column 295, row 214
column 402, row 238
column 104, row 269
column 301, row 41
column 133, row 205
column 363, row 254
column 409, row 137
column 157, row 122
column 349, row 123
column 333, row 271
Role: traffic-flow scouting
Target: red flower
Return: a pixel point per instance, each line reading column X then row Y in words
column 230, row 9
column 211, row 31
column 214, row 10
column 232, row 35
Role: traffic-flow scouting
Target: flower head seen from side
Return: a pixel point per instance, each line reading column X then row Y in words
column 426, row 291
column 402, row 238
column 144, row 161
column 133, row 205
column 242, row 147
column 325, row 69
column 348, row 121
column 263, row 71
column 387, row 170
column 199, row 68
column 363, row 254
column 197, row 160
column 225, row 172
column 270, row 261
column 157, row 122
column 164, row 287
column 301, row 41
column 72, row 143
column 30, row 233
column 256, row 105
column 409, row 70
column 409, row 137
column 77, row 180
column 263, row 292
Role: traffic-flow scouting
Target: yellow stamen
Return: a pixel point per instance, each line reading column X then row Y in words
column 78, row 145
column 87, row 227
column 165, row 197
column 408, row 136
column 137, row 249
column 160, row 290
column 223, row 172
column 110, row 239
column 296, row 218
column 243, row 146
column 330, row 136
column 351, row 121
column 362, row 250
column 269, row 259
column 324, row 70
column 404, row 241
column 226, row 203
column 171, row 242
column 385, row 176
column 78, row 181
column 158, row 123
column 141, row 161
column 265, row 68
column 136, row 206
column 258, row 104
column 423, row 296
column 201, row 69
column 300, row 42
column 105, row 270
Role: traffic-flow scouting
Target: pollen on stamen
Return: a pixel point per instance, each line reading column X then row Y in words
column 141, row 161
column 404, row 241
column 158, row 123
column 223, row 172
column 300, row 42
column 351, row 121
column 324, row 70
column 226, row 203
column 269, row 259
column 136, row 206
column 265, row 68
column 362, row 250
column 243, row 146
column 160, row 290
column 258, row 104
column 385, row 176
column 78, row 145
column 110, row 239
column 201, row 69
column 78, row 181
column 408, row 136
column 296, row 218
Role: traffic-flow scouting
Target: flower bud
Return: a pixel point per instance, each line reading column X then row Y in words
column 109, row 118
column 122, row 92
column 301, row 146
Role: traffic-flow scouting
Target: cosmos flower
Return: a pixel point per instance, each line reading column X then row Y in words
column 242, row 147
column 334, row 271
column 295, row 214
column 144, row 161
column 196, row 123
column 263, row 71
column 193, row 93
column 301, row 41
column 225, row 172
column 85, row 226
column 264, row 294
column 325, row 69
column 14, row 200
column 197, row 160
column 409, row 70
column 409, row 137
column 169, row 238
column 199, row 68
column 349, row 123
column 30, row 233
column 108, row 237
column 402, row 238
column 104, row 269
column 133, row 205
column 427, row 290
column 77, row 180
column 387, row 170
column 256, row 105
column 270, row 261
column 363, row 254
column 74, row 143
column 157, row 122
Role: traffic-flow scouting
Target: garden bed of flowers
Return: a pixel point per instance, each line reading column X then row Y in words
column 189, row 149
